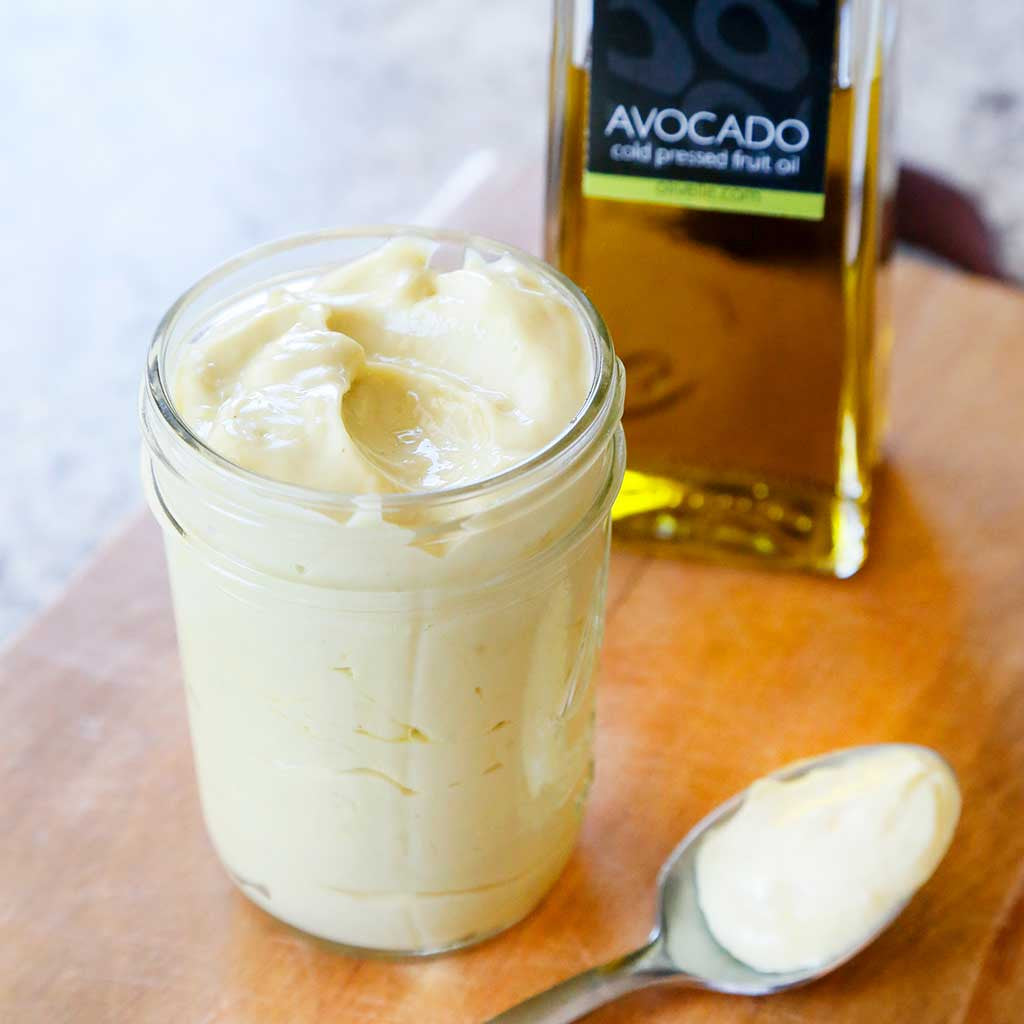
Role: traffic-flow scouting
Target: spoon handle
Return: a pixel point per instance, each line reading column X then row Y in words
column 579, row 995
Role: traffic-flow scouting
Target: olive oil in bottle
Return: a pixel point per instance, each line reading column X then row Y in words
column 720, row 184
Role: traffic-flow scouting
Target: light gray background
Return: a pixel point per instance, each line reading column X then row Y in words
column 144, row 142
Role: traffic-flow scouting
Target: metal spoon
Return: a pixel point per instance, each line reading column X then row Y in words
column 681, row 949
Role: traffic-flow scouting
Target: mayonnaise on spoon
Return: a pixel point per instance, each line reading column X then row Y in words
column 810, row 865
column 784, row 882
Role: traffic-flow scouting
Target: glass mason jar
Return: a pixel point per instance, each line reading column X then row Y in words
column 720, row 182
column 390, row 696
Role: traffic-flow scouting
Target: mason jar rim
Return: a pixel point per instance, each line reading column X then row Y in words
column 596, row 418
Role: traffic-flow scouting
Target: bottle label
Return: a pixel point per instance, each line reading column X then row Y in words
column 713, row 104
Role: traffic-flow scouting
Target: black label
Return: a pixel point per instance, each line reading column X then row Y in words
column 722, row 104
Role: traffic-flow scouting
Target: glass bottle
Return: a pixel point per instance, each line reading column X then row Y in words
column 720, row 183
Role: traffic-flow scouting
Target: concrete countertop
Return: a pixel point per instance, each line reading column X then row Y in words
column 144, row 143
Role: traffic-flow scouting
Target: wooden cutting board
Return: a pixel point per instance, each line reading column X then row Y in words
column 114, row 909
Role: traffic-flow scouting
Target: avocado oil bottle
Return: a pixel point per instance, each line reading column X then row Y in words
column 720, row 183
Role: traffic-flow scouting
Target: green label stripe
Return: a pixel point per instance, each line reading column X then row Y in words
column 703, row 195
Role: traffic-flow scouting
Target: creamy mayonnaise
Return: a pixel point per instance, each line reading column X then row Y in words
column 388, row 375
column 808, row 868
column 390, row 704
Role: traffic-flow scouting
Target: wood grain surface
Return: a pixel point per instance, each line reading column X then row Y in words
column 115, row 910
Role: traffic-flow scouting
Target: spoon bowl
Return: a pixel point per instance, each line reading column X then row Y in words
column 682, row 949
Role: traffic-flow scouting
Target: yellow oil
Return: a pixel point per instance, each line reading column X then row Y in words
column 753, row 346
